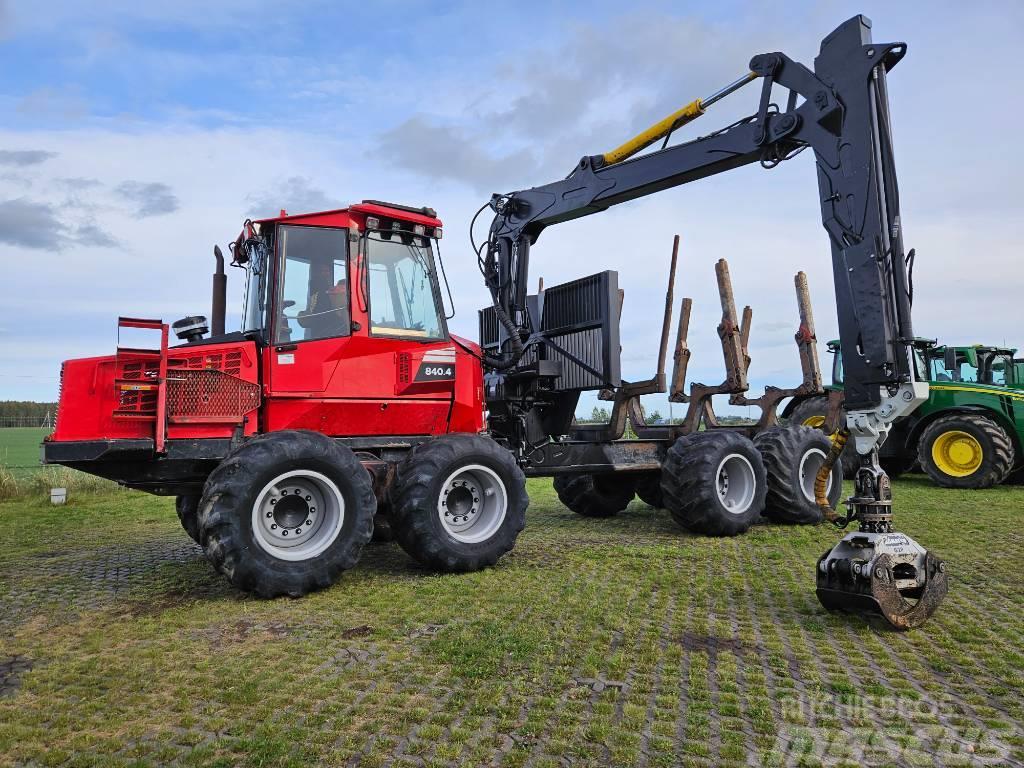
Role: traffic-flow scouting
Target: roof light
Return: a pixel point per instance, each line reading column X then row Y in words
column 419, row 229
column 437, row 233
column 372, row 222
column 396, row 225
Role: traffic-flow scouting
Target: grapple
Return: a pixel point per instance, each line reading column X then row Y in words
column 878, row 570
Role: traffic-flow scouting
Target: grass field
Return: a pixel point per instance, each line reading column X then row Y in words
column 19, row 446
column 596, row 642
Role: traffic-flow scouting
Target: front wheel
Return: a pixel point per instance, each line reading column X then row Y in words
column 966, row 450
column 458, row 502
column 286, row 513
column 714, row 483
column 187, row 508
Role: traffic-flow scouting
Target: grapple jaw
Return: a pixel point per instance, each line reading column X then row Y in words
column 882, row 573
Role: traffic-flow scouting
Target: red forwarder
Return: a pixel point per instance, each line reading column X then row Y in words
column 344, row 393
column 344, row 335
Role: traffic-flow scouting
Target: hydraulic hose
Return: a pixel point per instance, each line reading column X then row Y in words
column 821, row 479
column 518, row 350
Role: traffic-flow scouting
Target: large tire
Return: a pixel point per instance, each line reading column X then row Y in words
column 382, row 531
column 792, row 456
column 966, row 450
column 458, row 502
column 812, row 412
column 187, row 508
column 603, row 495
column 648, row 490
column 714, row 482
column 278, row 487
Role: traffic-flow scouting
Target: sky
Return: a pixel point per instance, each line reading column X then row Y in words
column 134, row 136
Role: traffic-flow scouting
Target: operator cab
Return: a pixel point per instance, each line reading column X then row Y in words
column 368, row 268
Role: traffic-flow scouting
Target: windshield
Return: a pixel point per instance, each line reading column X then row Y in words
column 997, row 369
column 837, row 366
column 403, row 294
column 920, row 366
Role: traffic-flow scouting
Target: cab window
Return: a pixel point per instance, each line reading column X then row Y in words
column 403, row 298
column 313, row 291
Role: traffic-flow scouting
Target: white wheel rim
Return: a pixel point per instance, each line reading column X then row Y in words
column 472, row 504
column 810, row 463
column 736, row 483
column 298, row 515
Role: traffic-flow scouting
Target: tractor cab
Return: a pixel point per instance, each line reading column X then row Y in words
column 977, row 364
column 922, row 349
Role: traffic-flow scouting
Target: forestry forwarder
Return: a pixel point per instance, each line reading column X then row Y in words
column 281, row 441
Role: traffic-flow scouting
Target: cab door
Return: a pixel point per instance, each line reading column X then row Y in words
column 400, row 366
column 311, row 306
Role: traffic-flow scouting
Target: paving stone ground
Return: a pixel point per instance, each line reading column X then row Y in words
column 596, row 643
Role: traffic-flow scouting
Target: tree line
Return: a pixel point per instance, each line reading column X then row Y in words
column 25, row 409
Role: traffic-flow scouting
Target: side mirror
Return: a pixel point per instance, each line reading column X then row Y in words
column 949, row 359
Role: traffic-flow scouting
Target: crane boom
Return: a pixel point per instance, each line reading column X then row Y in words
column 840, row 111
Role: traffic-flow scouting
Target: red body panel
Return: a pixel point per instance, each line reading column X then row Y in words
column 115, row 396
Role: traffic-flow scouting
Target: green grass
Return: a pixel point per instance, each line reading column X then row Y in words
column 19, row 446
column 623, row 641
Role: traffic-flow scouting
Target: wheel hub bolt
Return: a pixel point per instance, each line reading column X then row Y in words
column 273, row 526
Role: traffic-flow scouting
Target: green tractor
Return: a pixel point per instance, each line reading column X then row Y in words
column 970, row 431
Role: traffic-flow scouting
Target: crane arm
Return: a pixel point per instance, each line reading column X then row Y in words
column 843, row 116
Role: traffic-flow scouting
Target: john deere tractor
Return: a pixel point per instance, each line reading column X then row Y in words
column 970, row 431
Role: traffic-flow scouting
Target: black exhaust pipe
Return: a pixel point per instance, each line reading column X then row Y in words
column 220, row 294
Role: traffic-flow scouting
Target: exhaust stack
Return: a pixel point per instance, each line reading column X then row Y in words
column 220, row 292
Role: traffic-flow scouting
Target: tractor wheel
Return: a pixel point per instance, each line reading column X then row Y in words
column 286, row 513
column 714, row 483
column 812, row 412
column 603, row 495
column 458, row 502
column 648, row 489
column 187, row 508
column 792, row 456
column 895, row 466
column 965, row 450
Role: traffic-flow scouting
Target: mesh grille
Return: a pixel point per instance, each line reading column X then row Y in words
column 201, row 387
column 209, row 395
column 404, row 367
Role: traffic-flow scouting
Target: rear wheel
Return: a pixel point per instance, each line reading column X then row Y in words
column 187, row 508
column 286, row 513
column 792, row 457
column 458, row 502
column 648, row 490
column 966, row 450
column 603, row 495
column 813, row 412
column 714, row 483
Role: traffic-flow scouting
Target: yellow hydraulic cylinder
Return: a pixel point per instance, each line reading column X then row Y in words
column 677, row 119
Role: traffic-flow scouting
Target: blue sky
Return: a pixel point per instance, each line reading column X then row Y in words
column 134, row 135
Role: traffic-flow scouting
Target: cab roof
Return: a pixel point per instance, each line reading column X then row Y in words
column 421, row 215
